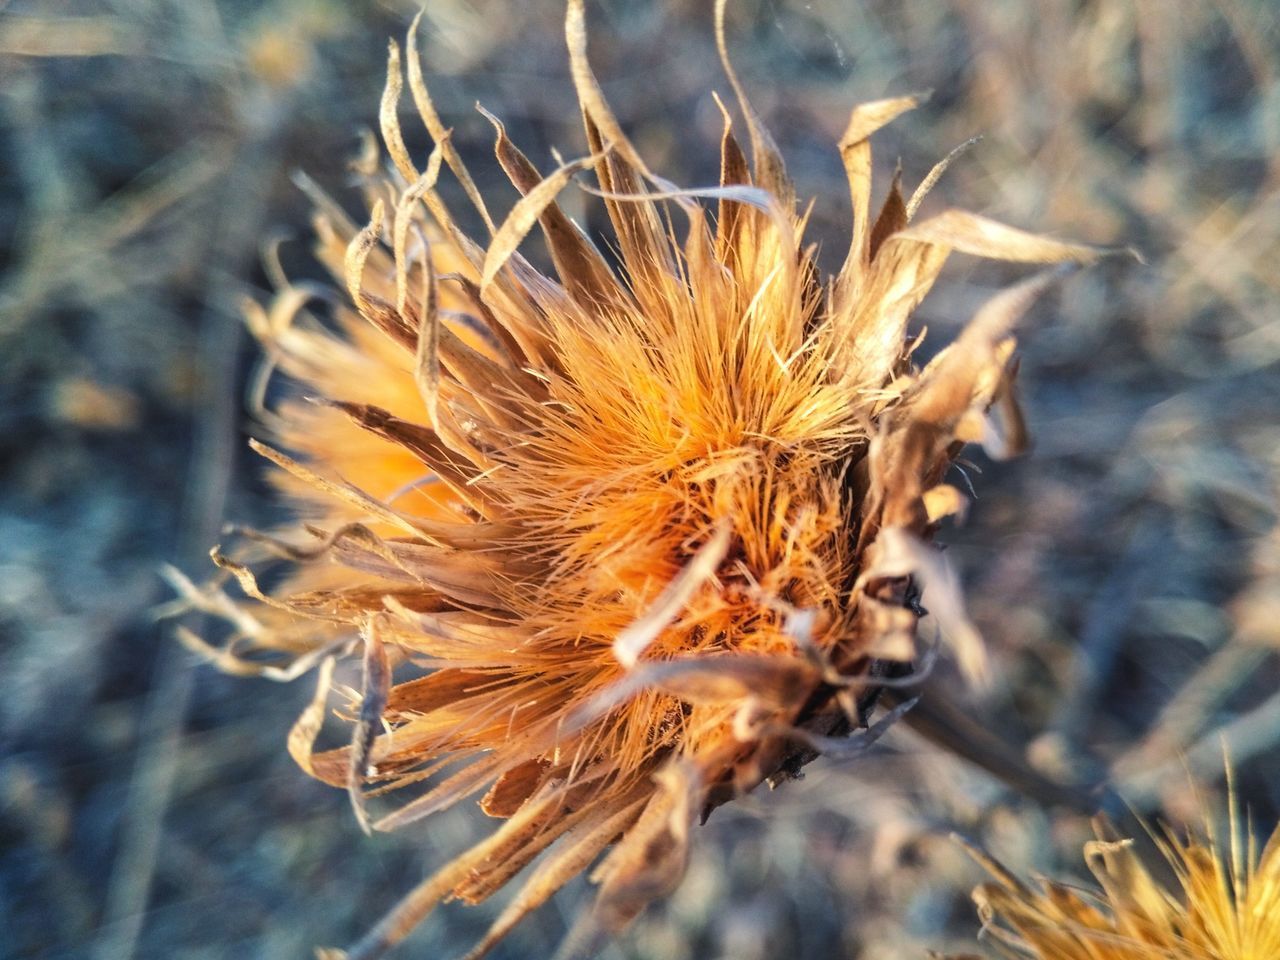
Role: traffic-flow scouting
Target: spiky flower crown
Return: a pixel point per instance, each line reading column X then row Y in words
column 1223, row 903
column 617, row 544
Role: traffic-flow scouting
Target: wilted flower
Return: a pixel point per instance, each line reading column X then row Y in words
column 1223, row 904
column 617, row 544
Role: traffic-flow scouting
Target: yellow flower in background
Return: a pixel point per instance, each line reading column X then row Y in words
column 613, row 545
column 1221, row 902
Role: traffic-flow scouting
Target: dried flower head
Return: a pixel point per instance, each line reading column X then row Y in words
column 1223, row 904
column 617, row 544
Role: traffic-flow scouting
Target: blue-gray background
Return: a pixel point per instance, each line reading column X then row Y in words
column 1126, row 574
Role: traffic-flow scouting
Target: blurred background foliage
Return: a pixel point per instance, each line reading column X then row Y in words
column 1126, row 574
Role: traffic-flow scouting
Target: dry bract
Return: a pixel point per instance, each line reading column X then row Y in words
column 616, row 544
column 1223, row 905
